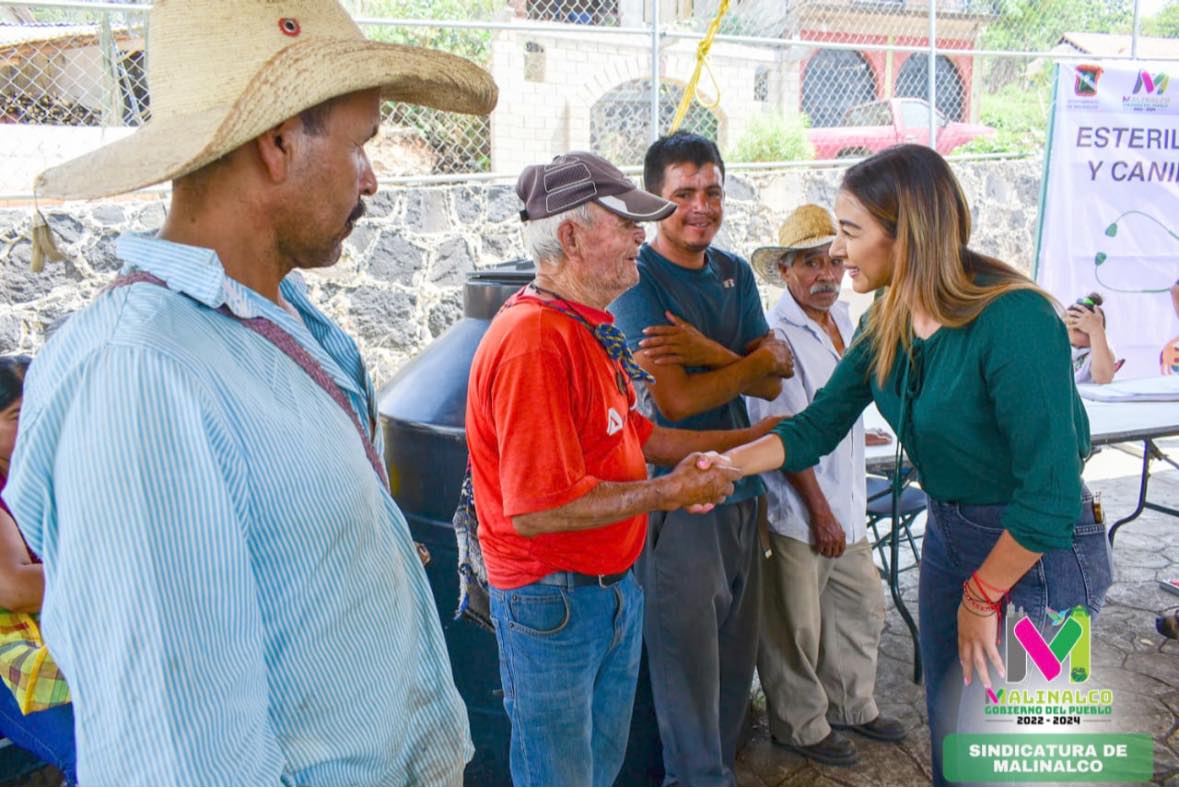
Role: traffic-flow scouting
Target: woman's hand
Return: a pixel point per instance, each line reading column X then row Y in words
column 978, row 639
column 683, row 344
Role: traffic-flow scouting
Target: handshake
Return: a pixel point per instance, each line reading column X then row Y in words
column 700, row 481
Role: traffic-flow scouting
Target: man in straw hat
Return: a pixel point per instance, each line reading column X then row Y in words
column 823, row 605
column 563, row 517
column 232, row 592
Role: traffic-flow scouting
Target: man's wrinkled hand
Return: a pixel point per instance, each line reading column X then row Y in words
column 701, row 481
column 830, row 540
column 683, row 344
column 779, row 353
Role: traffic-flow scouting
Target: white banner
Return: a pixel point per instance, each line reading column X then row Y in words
column 1110, row 206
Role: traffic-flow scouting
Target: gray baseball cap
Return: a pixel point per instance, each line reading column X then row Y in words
column 576, row 178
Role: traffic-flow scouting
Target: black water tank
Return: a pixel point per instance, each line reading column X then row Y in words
column 423, row 411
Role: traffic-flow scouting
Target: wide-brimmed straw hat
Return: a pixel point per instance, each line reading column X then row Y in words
column 221, row 72
column 808, row 227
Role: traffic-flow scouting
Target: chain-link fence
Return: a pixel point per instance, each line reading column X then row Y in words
column 785, row 80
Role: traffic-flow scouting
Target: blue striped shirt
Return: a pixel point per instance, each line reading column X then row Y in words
column 231, row 592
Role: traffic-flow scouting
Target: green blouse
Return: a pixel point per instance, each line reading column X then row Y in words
column 993, row 416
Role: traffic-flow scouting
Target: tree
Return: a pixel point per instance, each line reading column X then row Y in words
column 462, row 143
column 771, row 136
column 1037, row 26
column 1165, row 23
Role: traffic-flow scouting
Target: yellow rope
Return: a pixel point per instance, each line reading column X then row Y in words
column 701, row 61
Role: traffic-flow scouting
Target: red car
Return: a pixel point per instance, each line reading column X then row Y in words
column 869, row 128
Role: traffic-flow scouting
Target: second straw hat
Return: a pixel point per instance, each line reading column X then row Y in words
column 808, row 227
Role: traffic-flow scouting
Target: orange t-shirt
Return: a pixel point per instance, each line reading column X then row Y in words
column 546, row 422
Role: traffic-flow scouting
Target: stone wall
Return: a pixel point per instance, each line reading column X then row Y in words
column 399, row 283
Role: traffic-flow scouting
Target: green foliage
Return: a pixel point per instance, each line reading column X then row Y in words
column 472, row 44
column 462, row 142
column 1015, row 104
column 1019, row 115
column 1165, row 23
column 1037, row 26
column 770, row 136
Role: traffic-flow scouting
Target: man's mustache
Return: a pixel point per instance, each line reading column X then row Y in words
column 824, row 287
column 357, row 212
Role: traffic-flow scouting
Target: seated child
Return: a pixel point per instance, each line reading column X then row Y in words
column 1093, row 360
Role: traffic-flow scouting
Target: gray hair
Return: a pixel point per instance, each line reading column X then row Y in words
column 540, row 235
column 787, row 259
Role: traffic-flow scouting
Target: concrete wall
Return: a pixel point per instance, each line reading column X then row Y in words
column 399, row 283
column 535, row 120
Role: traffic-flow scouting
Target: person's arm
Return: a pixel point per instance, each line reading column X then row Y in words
column 545, row 484
column 153, row 581
column 771, row 385
column 682, row 344
column 978, row 633
column 668, row 446
column 675, row 393
column 757, row 331
column 22, row 581
column 680, row 395
column 609, row 502
column 830, row 539
column 1102, row 364
column 798, row 442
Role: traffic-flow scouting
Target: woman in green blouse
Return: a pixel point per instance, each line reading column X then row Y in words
column 969, row 362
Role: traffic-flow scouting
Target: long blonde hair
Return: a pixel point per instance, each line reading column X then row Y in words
column 911, row 191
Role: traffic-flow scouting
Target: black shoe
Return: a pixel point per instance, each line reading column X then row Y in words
column 882, row 729
column 834, row 750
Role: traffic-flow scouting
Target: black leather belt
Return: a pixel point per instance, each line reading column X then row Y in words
column 577, row 579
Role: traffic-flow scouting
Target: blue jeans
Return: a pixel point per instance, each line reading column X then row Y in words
column 568, row 660
column 48, row 734
column 958, row 538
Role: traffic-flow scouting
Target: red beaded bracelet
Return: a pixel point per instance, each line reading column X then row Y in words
column 976, row 596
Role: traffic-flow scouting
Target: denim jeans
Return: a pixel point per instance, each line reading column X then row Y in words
column 48, row 734
column 569, row 660
column 958, row 538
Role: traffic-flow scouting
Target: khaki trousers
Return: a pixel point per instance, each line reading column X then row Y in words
column 821, row 624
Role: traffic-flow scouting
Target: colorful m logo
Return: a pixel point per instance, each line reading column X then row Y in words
column 1156, row 84
column 1071, row 642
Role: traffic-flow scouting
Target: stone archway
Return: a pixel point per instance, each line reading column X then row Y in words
column 620, row 120
column 913, row 82
column 833, row 81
